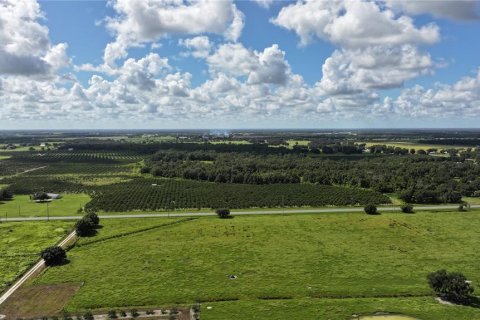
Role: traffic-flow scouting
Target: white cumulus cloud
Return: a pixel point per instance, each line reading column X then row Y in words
column 25, row 46
column 142, row 21
column 352, row 23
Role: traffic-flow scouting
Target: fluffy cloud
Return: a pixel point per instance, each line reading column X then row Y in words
column 25, row 45
column 264, row 3
column 268, row 66
column 352, row 23
column 462, row 99
column 449, row 9
column 143, row 21
column 378, row 67
column 200, row 46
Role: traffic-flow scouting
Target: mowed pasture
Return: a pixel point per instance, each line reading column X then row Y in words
column 23, row 206
column 422, row 308
column 331, row 265
column 21, row 244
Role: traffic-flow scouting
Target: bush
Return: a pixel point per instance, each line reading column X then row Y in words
column 370, row 209
column 112, row 314
column 84, row 227
column 451, row 286
column 123, row 313
column 463, row 207
column 5, row 194
column 407, row 208
column 54, row 256
column 93, row 217
column 223, row 213
column 145, row 170
column 88, row 316
column 134, row 313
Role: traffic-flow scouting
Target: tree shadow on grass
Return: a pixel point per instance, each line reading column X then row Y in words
column 59, row 264
column 471, row 301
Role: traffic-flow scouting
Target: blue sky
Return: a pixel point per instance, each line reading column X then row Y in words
column 239, row 64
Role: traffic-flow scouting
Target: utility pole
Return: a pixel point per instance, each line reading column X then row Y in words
column 283, row 204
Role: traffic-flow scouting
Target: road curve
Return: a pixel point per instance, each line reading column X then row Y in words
column 236, row 213
column 38, row 266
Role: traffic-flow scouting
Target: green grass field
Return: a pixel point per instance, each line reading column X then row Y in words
column 424, row 308
column 20, row 244
column 22, row 206
column 338, row 264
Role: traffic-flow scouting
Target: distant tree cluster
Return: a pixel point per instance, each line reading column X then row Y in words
column 417, row 179
column 6, row 194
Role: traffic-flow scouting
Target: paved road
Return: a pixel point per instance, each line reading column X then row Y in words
column 235, row 213
column 38, row 266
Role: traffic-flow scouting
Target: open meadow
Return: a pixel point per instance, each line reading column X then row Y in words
column 23, row 206
column 21, row 244
column 338, row 263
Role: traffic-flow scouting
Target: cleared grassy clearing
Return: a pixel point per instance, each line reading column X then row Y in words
column 471, row 200
column 424, row 308
column 20, row 244
column 22, row 206
column 292, row 143
column 411, row 145
column 294, row 256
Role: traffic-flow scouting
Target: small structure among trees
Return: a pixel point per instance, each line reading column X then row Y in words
column 450, row 286
column 45, row 196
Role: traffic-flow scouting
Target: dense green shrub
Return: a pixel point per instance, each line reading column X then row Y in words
column 451, row 286
column 134, row 313
column 112, row 314
column 85, row 227
column 370, row 209
column 407, row 208
column 54, row 256
column 223, row 213
column 88, row 316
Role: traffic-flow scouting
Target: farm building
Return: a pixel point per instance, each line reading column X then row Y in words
column 54, row 196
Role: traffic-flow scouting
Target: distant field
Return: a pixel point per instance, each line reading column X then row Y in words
column 230, row 141
column 411, row 145
column 4, row 157
column 323, row 258
column 22, row 206
column 292, row 143
column 20, row 244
